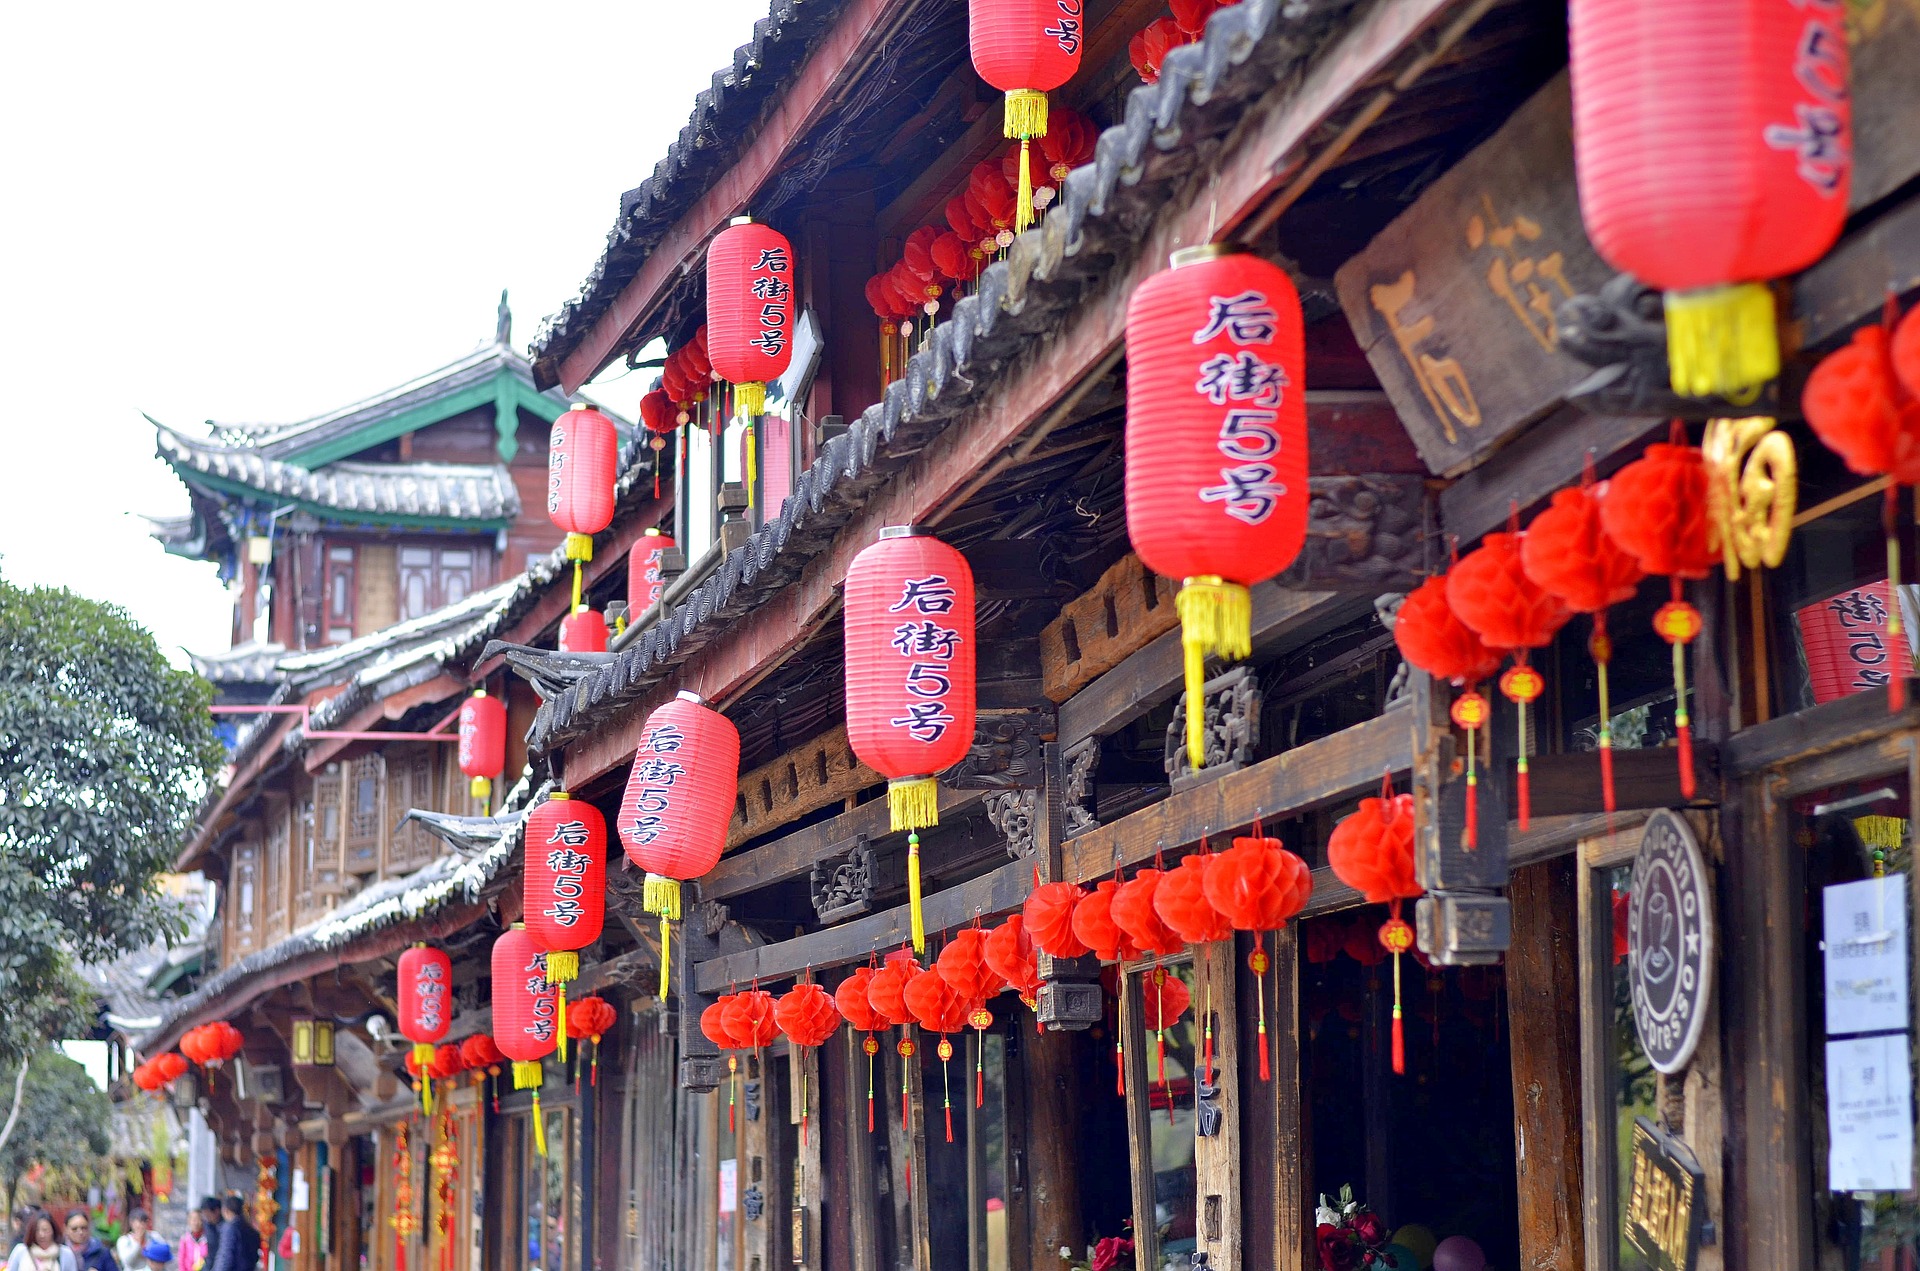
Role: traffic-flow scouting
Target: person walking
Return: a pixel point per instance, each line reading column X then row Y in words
column 90, row 1253
column 131, row 1248
column 40, row 1248
column 239, row 1241
column 192, row 1253
column 210, row 1230
column 158, row 1254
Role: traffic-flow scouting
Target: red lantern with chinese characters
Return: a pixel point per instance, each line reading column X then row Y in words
column 1134, row 913
column 583, row 631
column 1010, row 954
column 645, row 579
column 423, row 999
column 910, row 676
column 483, row 741
column 1216, row 445
column 1490, row 591
column 1656, row 509
column 679, row 798
column 565, row 880
column 1567, row 554
column 963, row 964
column 1371, row 851
column 1026, row 49
column 583, row 460
column 526, row 1008
column 1049, row 918
column 1180, row 898
column 750, row 310
column 1094, row 926
column 1705, row 176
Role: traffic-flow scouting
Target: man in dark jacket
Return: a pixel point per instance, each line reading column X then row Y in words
column 90, row 1253
column 239, row 1240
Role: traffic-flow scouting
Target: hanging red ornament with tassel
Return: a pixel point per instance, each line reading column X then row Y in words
column 1257, row 885
column 525, row 1015
column 1432, row 638
column 1010, row 953
column 1026, row 49
column 857, row 1008
column 1656, row 509
column 1371, row 851
column 1049, row 917
column 588, row 1020
column 939, row 1009
column 583, row 461
column 1180, row 899
column 1489, row 590
column 1134, row 913
column 1094, row 926
column 1164, row 998
column 808, row 1016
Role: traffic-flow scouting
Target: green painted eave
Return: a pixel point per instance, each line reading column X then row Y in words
column 506, row 390
column 342, row 516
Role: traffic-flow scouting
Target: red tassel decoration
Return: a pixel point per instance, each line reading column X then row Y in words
column 945, row 1051
column 733, row 1087
column 1397, row 937
column 1257, row 960
column 1470, row 712
column 872, row 1048
column 1678, row 623
column 904, row 1047
column 1119, row 1065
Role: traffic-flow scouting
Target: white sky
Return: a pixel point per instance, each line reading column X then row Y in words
column 260, row 212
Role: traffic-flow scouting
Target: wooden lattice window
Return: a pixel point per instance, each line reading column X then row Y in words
column 411, row 782
column 275, row 865
column 243, row 901
column 365, row 798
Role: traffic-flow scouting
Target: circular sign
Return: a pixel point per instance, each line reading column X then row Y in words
column 1669, row 941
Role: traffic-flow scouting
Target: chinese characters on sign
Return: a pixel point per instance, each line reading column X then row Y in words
column 1849, row 649
column 1511, row 274
column 1066, row 28
column 1253, row 390
column 1666, row 1199
column 655, row 777
column 540, row 1027
column 568, row 867
column 771, row 287
column 927, row 648
column 1817, row 137
column 1442, row 380
column 430, row 997
column 556, row 465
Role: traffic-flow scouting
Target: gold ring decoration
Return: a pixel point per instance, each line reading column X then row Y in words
column 1752, row 490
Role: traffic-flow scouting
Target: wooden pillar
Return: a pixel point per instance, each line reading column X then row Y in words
column 1220, row 1198
column 1053, row 1186
column 805, row 1112
column 1139, row 1113
column 1291, row 1193
column 764, row 1167
column 861, row 1218
column 1543, row 1018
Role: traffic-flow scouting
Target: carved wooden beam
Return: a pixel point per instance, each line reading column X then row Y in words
column 1368, row 532
column 1095, row 631
column 810, row 776
column 794, row 855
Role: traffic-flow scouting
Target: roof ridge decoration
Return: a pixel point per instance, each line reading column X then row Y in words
column 1247, row 51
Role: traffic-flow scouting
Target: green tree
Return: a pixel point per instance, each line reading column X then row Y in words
column 105, row 754
column 62, row 1121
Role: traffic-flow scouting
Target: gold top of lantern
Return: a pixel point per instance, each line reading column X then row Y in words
column 1194, row 255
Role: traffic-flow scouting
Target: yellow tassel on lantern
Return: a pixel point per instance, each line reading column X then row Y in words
column 1216, row 617
column 661, row 895
column 753, row 462
column 750, row 399
column 422, row 1056
column 1026, row 119
column 919, row 920
column 1721, row 341
column 913, row 803
column 579, row 547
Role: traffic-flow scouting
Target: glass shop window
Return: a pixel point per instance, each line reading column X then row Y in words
column 987, row 1192
column 1633, row 1085
column 1383, row 1133
column 1171, row 1042
column 1857, row 845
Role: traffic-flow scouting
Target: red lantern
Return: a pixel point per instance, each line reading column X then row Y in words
column 1069, row 142
column 955, row 258
column 146, row 1078
column 446, row 1062
column 168, row 1066
column 887, row 988
column 1371, row 851
column 565, row 882
column 1093, row 924
column 1148, row 48
column 1191, row 15
column 713, row 1023
column 1432, row 637
column 961, row 221
column 807, row 1015
column 1216, row 445
column 910, row 670
column 190, row 1046
column 590, row 1018
column 685, row 392
column 227, row 1040
column 1656, row 509
column 1134, row 913
column 935, row 1005
column 1025, row 48
column 750, row 1021
column 583, row 631
column 1049, row 919
column 989, row 191
column 661, row 417
column 478, row 1051
column 525, row 1014
column 750, row 310
column 917, row 255
column 483, row 741
column 1566, row 552
column 1164, row 998
column 1705, row 176
column 1180, row 898
column 1009, row 953
column 424, row 998
column 1257, row 884
column 583, row 460
column 679, row 798
column 645, row 581
column 855, row 1003
column 963, row 964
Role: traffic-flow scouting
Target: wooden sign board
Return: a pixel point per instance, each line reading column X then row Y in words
column 1455, row 302
column 1665, row 1210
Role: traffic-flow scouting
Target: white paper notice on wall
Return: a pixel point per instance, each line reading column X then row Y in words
column 1866, row 955
column 300, row 1191
column 729, row 1186
column 1870, row 1114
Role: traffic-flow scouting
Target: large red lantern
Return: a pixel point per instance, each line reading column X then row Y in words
column 483, row 741
column 1567, row 553
column 750, row 310
column 963, row 964
column 1371, row 851
column 583, row 631
column 1656, row 509
column 680, row 792
column 645, row 579
column 1026, row 49
column 583, row 461
column 1049, row 918
column 750, row 1021
column 565, row 880
column 1216, row 445
column 910, row 672
column 1712, row 142
column 887, row 987
column 526, row 1023
column 424, row 1000
column 1257, row 884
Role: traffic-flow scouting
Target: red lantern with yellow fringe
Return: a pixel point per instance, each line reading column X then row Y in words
column 750, row 308
column 564, row 888
column 1026, row 49
column 483, row 742
column 583, row 461
column 525, row 1015
column 423, row 999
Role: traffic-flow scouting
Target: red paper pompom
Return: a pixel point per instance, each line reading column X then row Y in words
column 590, row 1017
column 1070, row 141
column 446, row 1062
column 1432, row 637
column 1164, row 998
column 856, row 1005
column 1567, row 553
column 169, row 1066
column 963, row 964
column 934, row 1004
column 960, row 219
column 1150, row 45
column 1492, row 594
column 1180, row 899
column 1371, row 850
column 1854, row 403
column 1655, row 508
column 1191, row 15
column 713, row 1023
column 749, row 1019
column 478, row 1051
column 1010, row 953
column 1133, row 913
column 806, row 1013
column 1257, row 884
column 887, row 989
column 1093, row 924
column 1049, row 919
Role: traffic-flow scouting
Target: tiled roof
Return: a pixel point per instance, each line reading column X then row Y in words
column 481, row 494
column 249, row 663
column 1094, row 228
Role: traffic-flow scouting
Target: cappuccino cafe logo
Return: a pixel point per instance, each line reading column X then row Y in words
column 1669, row 941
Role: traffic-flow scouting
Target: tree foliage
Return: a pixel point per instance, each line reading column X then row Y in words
column 105, row 754
column 64, row 1118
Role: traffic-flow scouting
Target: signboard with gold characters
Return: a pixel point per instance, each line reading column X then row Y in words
column 1666, row 1200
